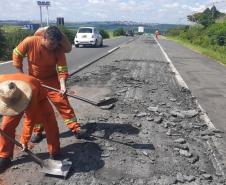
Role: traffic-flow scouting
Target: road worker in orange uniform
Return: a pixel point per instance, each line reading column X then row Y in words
column 47, row 62
column 157, row 33
column 23, row 94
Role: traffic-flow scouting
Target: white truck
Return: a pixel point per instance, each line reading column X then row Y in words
column 140, row 30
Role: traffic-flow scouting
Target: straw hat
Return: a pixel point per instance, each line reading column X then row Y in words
column 15, row 96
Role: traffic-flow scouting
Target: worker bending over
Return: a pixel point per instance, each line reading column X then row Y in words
column 47, row 62
column 23, row 94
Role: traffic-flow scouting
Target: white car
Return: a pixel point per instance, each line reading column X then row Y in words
column 88, row 36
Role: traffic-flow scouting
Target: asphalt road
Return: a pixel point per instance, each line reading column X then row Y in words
column 83, row 55
column 204, row 76
column 78, row 56
column 153, row 135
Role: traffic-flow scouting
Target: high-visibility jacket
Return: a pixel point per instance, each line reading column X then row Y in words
column 42, row 63
column 38, row 110
column 48, row 66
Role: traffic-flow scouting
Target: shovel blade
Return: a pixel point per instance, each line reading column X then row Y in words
column 55, row 167
column 107, row 101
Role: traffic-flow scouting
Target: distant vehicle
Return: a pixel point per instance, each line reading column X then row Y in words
column 140, row 30
column 88, row 36
column 129, row 33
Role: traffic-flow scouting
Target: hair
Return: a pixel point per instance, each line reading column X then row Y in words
column 53, row 33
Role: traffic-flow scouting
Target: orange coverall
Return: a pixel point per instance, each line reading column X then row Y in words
column 38, row 110
column 48, row 66
column 157, row 33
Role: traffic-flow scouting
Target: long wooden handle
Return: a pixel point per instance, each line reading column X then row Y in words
column 73, row 96
column 34, row 157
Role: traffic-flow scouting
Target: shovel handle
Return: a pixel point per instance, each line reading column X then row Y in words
column 31, row 154
column 73, row 96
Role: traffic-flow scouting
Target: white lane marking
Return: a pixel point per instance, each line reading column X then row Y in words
column 178, row 76
column 183, row 84
column 113, row 49
column 4, row 63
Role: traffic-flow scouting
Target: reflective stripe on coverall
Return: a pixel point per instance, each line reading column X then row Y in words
column 39, row 109
column 48, row 66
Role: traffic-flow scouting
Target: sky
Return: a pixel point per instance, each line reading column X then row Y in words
column 146, row 11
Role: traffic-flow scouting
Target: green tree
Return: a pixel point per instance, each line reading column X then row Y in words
column 14, row 38
column 119, row 32
column 2, row 45
column 69, row 33
column 207, row 17
column 104, row 34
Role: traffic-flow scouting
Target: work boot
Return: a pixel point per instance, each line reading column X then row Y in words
column 80, row 133
column 36, row 138
column 4, row 163
column 55, row 156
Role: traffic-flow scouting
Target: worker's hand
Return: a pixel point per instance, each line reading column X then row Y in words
column 63, row 88
column 63, row 91
column 24, row 147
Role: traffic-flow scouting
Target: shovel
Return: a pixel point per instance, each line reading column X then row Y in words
column 135, row 146
column 103, row 102
column 49, row 166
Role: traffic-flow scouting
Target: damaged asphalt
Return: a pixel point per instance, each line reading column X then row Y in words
column 153, row 135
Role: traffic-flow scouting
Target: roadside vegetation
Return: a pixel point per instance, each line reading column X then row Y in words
column 9, row 38
column 69, row 32
column 118, row 32
column 207, row 35
column 104, row 34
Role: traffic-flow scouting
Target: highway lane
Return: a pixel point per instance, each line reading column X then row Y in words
column 83, row 55
column 78, row 56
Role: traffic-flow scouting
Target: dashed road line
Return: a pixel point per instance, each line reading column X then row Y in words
column 95, row 60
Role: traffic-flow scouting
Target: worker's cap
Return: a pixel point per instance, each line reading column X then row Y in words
column 15, row 96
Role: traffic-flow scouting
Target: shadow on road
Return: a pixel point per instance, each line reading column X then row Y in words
column 85, row 157
column 107, row 129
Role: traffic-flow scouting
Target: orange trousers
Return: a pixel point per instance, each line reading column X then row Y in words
column 45, row 114
column 62, row 105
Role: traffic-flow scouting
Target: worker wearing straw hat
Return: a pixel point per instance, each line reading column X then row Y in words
column 20, row 95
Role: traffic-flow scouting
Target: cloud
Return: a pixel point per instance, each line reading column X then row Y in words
column 172, row 5
column 96, row 1
column 162, row 11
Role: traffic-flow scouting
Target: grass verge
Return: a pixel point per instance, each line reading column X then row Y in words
column 216, row 55
column 110, row 34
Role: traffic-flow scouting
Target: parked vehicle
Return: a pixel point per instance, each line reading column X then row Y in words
column 129, row 33
column 88, row 36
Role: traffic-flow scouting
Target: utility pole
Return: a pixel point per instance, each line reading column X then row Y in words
column 47, row 5
column 39, row 3
column 44, row 4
